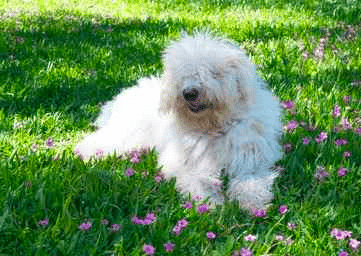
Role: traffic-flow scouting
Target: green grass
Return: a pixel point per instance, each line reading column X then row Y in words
column 60, row 59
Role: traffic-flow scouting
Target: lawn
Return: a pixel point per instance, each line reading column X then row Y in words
column 59, row 60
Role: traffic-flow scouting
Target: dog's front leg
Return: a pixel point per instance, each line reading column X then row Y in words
column 194, row 176
column 252, row 191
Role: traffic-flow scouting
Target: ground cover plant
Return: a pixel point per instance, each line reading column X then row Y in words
column 60, row 59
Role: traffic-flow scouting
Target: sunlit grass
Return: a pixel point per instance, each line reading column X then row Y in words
column 60, row 59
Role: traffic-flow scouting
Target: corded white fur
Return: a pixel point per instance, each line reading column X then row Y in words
column 237, row 130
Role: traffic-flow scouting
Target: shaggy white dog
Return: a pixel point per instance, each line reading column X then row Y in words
column 210, row 111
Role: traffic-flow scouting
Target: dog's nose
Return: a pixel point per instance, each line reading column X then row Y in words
column 190, row 94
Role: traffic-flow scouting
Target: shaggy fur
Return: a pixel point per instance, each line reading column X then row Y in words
column 208, row 112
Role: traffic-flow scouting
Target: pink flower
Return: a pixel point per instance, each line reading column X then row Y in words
column 353, row 244
column 137, row 221
column 34, row 146
column 168, row 247
column 148, row 249
column 115, row 227
column 345, row 124
column 339, row 234
column 279, row 237
column 158, row 178
column 177, row 229
column 202, row 208
column 211, row 235
column 283, row 209
column 305, row 55
column 358, row 130
column 134, row 157
column 306, row 141
column 245, row 252
column 343, row 253
column 342, row 171
column 336, row 129
column 43, row 222
column 104, row 221
column 250, row 238
column 341, row 142
column 216, row 185
column 347, row 233
column 85, row 226
column 346, row 154
column 197, row 197
column 259, row 212
column 129, row 172
column 336, row 111
column 135, row 160
column 288, row 104
column 292, row 125
column 321, row 137
column 149, row 219
column 135, row 154
column 99, row 153
column 346, row 99
column 319, row 52
column 187, row 205
column 77, row 152
column 49, row 142
column 291, row 226
column 181, row 224
column 289, row 241
column 150, row 216
column 321, row 173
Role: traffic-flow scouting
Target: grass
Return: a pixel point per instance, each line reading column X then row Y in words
column 60, row 59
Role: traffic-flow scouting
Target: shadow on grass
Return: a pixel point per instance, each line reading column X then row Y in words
column 65, row 62
column 345, row 11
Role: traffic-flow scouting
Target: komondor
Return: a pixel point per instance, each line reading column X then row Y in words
column 208, row 112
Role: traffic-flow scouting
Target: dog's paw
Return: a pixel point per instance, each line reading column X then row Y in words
column 253, row 192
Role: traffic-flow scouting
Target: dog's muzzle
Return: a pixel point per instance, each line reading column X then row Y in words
column 192, row 98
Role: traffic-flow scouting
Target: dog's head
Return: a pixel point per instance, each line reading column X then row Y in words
column 207, row 82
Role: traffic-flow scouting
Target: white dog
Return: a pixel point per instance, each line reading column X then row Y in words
column 210, row 111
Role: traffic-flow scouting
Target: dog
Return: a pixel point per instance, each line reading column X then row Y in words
column 208, row 113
